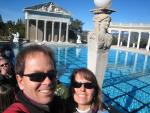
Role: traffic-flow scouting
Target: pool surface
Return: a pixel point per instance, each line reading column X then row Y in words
column 126, row 83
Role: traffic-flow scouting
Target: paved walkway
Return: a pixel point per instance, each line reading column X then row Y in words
column 124, row 48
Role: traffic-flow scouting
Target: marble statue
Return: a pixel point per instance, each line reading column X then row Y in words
column 79, row 39
column 100, row 33
column 50, row 8
column 16, row 37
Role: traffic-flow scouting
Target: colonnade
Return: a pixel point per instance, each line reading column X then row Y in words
column 131, row 28
column 45, row 30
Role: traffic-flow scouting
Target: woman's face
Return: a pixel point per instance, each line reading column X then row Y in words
column 82, row 96
column 105, row 23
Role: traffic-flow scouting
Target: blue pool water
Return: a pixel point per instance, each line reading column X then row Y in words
column 127, row 78
column 126, row 83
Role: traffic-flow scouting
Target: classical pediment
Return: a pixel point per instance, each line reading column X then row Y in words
column 48, row 7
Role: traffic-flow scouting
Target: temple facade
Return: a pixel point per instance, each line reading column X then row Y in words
column 47, row 23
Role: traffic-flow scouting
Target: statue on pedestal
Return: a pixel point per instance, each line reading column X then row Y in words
column 15, row 37
column 100, row 33
column 99, row 40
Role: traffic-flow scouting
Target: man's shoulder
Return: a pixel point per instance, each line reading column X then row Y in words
column 16, row 107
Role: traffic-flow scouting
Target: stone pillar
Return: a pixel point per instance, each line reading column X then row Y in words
column 36, row 31
column 119, row 36
column 129, row 35
column 67, row 32
column 27, row 35
column 59, row 32
column 45, row 22
column 52, row 40
column 139, row 39
column 148, row 44
column 99, row 42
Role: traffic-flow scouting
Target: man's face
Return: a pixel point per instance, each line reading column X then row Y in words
column 40, row 92
column 4, row 67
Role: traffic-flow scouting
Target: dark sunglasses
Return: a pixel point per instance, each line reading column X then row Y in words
column 5, row 64
column 40, row 76
column 87, row 85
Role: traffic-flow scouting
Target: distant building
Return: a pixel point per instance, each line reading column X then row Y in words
column 47, row 22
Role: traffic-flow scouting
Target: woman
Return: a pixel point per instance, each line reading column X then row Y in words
column 85, row 94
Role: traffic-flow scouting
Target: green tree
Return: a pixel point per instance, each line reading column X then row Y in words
column 1, row 20
column 10, row 28
column 20, row 27
column 2, row 26
column 76, row 25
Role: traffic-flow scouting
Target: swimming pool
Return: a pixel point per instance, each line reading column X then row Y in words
column 126, row 83
column 127, row 78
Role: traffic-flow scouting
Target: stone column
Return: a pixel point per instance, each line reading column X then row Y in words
column 59, row 32
column 129, row 35
column 139, row 39
column 148, row 44
column 52, row 40
column 119, row 36
column 36, row 32
column 45, row 22
column 67, row 32
column 99, row 42
column 27, row 35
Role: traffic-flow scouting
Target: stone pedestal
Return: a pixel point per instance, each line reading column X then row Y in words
column 97, row 60
column 99, row 42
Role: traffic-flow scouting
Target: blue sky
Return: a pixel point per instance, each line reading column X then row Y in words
column 127, row 11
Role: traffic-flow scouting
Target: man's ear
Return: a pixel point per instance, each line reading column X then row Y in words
column 20, row 82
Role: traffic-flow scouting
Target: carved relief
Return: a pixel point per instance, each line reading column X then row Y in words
column 49, row 7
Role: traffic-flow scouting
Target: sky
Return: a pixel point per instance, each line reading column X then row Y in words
column 127, row 11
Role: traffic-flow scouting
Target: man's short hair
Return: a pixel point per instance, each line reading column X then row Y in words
column 29, row 50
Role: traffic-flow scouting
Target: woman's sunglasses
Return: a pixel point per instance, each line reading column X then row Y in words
column 87, row 85
column 40, row 76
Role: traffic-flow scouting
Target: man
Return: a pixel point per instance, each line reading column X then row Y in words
column 4, row 66
column 7, row 72
column 36, row 77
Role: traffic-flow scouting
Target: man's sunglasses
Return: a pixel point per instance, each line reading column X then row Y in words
column 40, row 76
column 87, row 85
column 5, row 64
